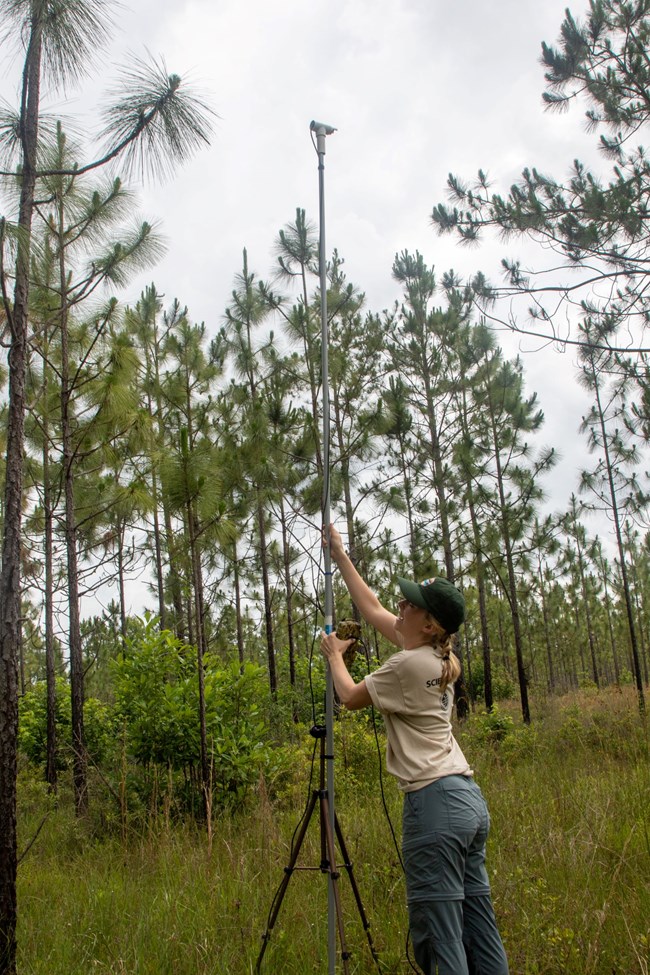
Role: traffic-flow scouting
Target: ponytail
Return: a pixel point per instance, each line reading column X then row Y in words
column 443, row 642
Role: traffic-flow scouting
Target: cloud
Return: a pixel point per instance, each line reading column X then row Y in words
column 416, row 88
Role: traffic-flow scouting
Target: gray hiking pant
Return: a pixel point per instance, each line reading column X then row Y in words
column 452, row 923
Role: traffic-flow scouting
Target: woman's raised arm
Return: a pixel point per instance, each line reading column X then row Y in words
column 362, row 595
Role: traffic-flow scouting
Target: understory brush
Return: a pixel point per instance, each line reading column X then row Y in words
column 569, row 858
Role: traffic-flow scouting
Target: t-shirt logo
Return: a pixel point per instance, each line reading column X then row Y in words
column 444, row 700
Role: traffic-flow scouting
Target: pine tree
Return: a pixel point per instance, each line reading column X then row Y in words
column 94, row 364
column 141, row 323
column 356, row 343
column 472, row 451
column 251, row 304
column 576, row 557
column 290, row 446
column 597, row 229
column 498, row 389
column 296, row 250
column 398, row 480
column 545, row 544
column 612, row 485
column 60, row 38
column 424, row 354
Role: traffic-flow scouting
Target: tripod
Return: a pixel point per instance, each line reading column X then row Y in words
column 328, row 831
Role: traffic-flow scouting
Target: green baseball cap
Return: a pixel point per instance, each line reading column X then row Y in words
column 439, row 597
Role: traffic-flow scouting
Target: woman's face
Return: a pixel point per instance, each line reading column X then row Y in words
column 410, row 624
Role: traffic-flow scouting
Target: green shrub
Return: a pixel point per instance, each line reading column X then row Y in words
column 493, row 726
column 157, row 703
column 503, row 686
column 32, row 725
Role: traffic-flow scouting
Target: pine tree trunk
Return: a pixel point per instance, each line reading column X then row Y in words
column 200, row 654
column 74, row 623
column 286, row 558
column 80, row 762
column 344, row 468
column 157, row 542
column 578, row 643
column 588, row 619
column 174, row 577
column 10, row 587
column 624, row 575
column 314, row 379
column 612, row 638
column 175, row 586
column 50, row 673
column 266, row 589
column 439, row 481
column 238, row 616
column 460, row 691
column 512, row 581
column 479, row 576
column 639, row 618
column 120, row 580
column 547, row 631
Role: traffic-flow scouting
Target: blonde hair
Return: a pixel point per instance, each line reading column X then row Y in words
column 444, row 643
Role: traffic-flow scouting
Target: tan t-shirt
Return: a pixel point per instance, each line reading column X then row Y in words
column 421, row 747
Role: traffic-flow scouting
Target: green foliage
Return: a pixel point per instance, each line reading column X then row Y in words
column 32, row 725
column 596, row 227
column 157, row 702
column 503, row 686
column 304, row 702
column 360, row 743
column 101, row 643
column 494, row 726
column 567, row 854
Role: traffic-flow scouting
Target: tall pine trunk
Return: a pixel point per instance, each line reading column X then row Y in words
column 288, row 587
column 50, row 672
column 10, row 586
column 627, row 595
column 266, row 590
column 238, row 610
column 79, row 760
column 547, row 630
column 199, row 612
column 513, row 598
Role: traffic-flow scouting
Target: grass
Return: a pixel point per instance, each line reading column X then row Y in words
column 569, row 858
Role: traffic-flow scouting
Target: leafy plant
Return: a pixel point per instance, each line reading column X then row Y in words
column 32, row 725
column 157, row 701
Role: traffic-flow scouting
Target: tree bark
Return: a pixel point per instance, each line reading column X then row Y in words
column 10, row 584
column 80, row 762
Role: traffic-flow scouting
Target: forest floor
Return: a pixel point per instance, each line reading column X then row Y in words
column 568, row 857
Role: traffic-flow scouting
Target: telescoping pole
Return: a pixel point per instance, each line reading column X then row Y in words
column 322, row 131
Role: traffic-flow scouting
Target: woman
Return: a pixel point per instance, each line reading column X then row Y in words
column 445, row 818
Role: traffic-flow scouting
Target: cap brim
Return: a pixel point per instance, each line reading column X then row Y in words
column 412, row 592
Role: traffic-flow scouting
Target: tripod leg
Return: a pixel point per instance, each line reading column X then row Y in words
column 334, row 875
column 353, row 883
column 288, row 871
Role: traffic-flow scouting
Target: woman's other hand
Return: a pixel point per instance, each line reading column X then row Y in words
column 331, row 646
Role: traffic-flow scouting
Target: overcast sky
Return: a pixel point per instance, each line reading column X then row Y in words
column 416, row 89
